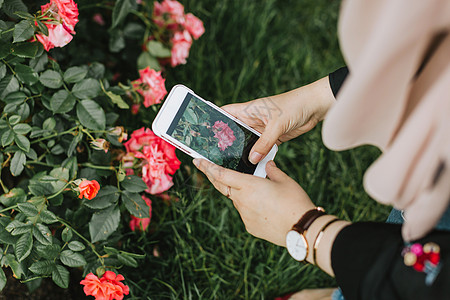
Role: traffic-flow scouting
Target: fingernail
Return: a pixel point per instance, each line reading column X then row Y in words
column 271, row 163
column 255, row 157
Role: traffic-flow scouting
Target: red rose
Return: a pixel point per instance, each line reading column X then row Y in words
column 88, row 189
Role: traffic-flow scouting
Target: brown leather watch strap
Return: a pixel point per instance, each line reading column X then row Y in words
column 307, row 219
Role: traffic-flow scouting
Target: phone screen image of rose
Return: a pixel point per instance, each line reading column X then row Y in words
column 213, row 135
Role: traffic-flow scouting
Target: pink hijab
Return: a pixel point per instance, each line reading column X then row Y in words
column 386, row 102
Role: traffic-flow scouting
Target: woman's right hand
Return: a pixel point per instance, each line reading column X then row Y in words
column 285, row 116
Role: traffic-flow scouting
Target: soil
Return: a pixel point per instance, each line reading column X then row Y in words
column 14, row 290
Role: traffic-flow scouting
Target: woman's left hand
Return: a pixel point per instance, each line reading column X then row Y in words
column 268, row 208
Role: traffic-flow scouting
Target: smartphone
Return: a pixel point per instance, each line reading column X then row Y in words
column 203, row 130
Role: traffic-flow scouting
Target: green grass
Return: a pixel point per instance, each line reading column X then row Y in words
column 250, row 49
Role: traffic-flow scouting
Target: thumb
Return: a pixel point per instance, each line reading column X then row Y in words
column 264, row 144
column 274, row 173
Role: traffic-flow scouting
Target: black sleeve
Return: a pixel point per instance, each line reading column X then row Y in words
column 368, row 264
column 337, row 78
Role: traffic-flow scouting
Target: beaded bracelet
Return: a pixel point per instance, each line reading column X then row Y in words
column 319, row 237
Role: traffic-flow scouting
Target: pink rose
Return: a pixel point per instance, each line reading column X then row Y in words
column 194, row 25
column 61, row 18
column 168, row 12
column 151, row 86
column 159, row 160
column 141, row 223
column 58, row 36
column 181, row 44
column 224, row 133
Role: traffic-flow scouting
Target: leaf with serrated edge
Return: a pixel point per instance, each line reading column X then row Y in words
column 104, row 223
column 23, row 246
column 76, row 246
column 42, row 267
column 135, row 204
column 43, row 234
column 72, row 259
column 60, row 276
column 133, row 183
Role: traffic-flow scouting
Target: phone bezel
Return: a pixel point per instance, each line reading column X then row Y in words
column 169, row 110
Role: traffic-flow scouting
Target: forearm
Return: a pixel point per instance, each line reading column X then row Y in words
column 325, row 244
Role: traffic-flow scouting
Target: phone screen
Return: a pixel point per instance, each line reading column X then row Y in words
column 213, row 135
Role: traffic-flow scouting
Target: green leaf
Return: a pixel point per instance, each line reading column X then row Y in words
column 116, row 99
column 62, row 102
column 133, row 183
column 2, row 274
column 10, row 7
column 15, row 266
column 88, row 88
column 22, row 128
column 17, row 163
column 13, row 120
column 157, row 49
column 2, row 70
column 135, row 255
column 39, row 188
column 49, row 124
column 43, row 267
column 120, row 11
column 60, row 276
column 5, row 49
column 75, row 74
column 21, row 229
column 7, row 238
column 51, row 79
column 26, row 74
column 15, row 195
column 72, row 259
column 76, row 246
column 8, row 85
column 23, row 31
column 15, row 98
column 67, row 234
column 110, row 250
column 7, row 138
column 107, row 196
column 26, row 49
column 127, row 260
column 42, row 27
column 48, row 251
column 145, row 60
column 24, row 15
column 74, row 143
column 135, row 204
column 39, row 63
column 23, row 246
column 62, row 177
column 91, row 115
column 22, row 142
column 48, row 217
column 28, row 209
column 43, row 234
column 104, row 223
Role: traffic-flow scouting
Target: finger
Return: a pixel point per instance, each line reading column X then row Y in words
column 219, row 174
column 265, row 143
column 274, row 173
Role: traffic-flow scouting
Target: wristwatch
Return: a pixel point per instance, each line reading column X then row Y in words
column 296, row 243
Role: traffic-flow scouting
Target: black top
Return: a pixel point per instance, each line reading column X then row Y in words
column 367, row 257
column 368, row 264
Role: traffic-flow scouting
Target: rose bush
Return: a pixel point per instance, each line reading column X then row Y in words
column 72, row 181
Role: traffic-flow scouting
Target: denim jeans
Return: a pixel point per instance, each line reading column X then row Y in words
column 396, row 217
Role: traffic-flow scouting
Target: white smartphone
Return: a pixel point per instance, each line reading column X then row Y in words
column 202, row 130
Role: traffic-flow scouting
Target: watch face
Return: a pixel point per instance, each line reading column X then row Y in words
column 296, row 245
